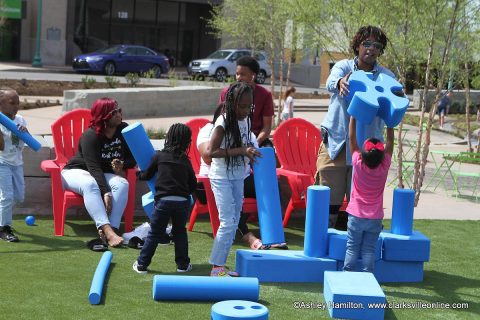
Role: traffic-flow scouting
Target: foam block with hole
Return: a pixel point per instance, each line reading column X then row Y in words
column 282, row 266
column 239, row 309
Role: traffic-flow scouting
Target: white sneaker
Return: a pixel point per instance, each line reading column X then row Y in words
column 139, row 269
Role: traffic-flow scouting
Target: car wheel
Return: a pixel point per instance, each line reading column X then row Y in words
column 261, row 76
column 157, row 71
column 221, row 74
column 109, row 68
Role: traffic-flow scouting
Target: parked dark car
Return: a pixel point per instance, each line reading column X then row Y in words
column 122, row 59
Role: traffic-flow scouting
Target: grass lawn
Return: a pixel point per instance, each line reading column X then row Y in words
column 47, row 277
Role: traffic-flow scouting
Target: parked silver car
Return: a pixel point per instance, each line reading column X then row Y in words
column 222, row 64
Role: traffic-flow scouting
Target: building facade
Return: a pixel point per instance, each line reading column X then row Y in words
column 71, row 27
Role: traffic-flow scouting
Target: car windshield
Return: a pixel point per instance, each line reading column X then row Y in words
column 109, row 50
column 220, row 54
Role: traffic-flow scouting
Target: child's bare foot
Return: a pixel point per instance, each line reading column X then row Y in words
column 112, row 238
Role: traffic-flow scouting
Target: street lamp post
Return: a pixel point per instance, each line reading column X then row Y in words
column 37, row 59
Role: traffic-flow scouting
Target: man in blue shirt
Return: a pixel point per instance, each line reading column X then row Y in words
column 334, row 164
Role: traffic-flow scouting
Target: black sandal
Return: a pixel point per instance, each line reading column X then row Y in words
column 97, row 245
column 136, row 243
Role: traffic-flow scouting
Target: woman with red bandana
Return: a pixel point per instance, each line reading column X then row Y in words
column 96, row 170
column 365, row 209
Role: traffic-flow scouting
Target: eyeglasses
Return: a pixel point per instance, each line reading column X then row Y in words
column 368, row 44
column 114, row 112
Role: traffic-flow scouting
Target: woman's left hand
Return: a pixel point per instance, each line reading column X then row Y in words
column 117, row 166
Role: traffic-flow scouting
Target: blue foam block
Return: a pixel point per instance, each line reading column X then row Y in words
column 95, row 294
column 415, row 247
column 316, row 221
column 402, row 211
column 268, row 198
column 347, row 295
column 282, row 266
column 148, row 203
column 140, row 146
column 198, row 288
column 337, row 245
column 371, row 97
column 24, row 136
column 238, row 309
column 398, row 271
column 393, row 271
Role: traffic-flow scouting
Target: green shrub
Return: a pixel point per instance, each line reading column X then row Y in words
column 88, row 82
column 150, row 74
column 112, row 81
column 132, row 79
column 172, row 78
column 156, row 133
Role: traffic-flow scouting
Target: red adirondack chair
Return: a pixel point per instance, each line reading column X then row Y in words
column 296, row 144
column 249, row 204
column 66, row 132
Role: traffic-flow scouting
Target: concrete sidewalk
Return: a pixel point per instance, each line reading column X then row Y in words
column 432, row 205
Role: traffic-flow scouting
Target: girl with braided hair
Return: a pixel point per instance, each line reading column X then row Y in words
column 231, row 150
column 174, row 185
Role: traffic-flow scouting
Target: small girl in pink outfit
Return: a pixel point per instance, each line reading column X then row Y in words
column 365, row 209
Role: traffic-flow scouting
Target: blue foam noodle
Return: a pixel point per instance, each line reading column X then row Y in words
column 199, row 288
column 316, row 221
column 95, row 294
column 268, row 198
column 24, row 136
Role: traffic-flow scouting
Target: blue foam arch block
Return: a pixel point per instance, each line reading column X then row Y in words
column 238, row 309
column 347, row 295
column 95, row 294
column 371, row 97
column 268, row 198
column 282, row 266
column 337, row 245
column 140, row 146
column 402, row 211
column 148, row 204
column 316, row 221
column 24, row 136
column 199, row 288
column 415, row 247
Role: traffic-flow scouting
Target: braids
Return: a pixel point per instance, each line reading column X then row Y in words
column 233, row 138
column 178, row 139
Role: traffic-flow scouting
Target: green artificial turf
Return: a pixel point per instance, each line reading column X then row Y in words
column 47, row 277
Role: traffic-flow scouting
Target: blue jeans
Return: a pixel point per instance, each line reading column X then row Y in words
column 12, row 189
column 81, row 182
column 164, row 210
column 362, row 238
column 229, row 198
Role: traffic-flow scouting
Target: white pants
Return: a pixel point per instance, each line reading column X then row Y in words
column 81, row 182
column 12, row 190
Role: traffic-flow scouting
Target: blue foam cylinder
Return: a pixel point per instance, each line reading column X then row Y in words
column 24, row 136
column 141, row 147
column 268, row 197
column 198, row 288
column 316, row 221
column 95, row 294
column 148, row 204
column 239, row 309
column 402, row 211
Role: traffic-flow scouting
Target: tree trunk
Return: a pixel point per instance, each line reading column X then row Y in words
column 467, row 105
